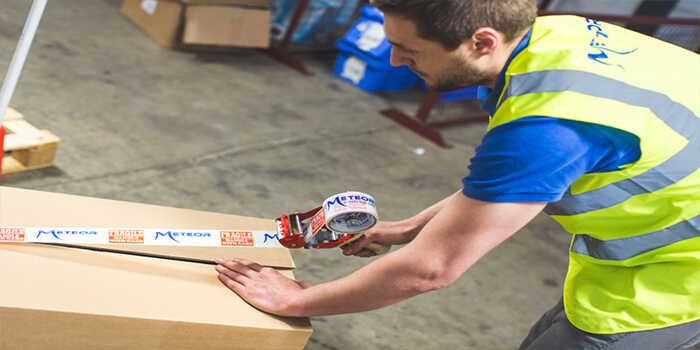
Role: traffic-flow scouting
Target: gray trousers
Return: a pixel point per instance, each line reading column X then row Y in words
column 554, row 332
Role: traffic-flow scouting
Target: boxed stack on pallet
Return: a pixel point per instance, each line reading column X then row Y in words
column 365, row 54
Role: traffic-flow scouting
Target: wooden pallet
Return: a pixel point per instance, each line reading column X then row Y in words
column 26, row 147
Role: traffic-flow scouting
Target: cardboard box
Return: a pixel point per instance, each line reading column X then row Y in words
column 56, row 297
column 202, row 24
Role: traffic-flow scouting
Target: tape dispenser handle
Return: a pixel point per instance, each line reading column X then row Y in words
column 377, row 248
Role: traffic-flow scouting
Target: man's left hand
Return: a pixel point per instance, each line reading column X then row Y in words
column 263, row 287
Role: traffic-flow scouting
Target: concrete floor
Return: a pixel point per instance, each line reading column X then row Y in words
column 242, row 134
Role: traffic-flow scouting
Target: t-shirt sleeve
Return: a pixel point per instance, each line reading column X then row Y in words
column 536, row 159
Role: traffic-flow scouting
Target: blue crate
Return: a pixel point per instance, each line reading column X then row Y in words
column 376, row 62
column 367, row 35
column 369, row 76
column 365, row 54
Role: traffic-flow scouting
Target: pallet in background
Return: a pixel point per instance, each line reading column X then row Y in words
column 26, row 147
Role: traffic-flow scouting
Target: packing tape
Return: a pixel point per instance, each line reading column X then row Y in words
column 205, row 238
column 350, row 212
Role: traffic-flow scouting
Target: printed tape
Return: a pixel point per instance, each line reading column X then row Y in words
column 350, row 212
column 117, row 236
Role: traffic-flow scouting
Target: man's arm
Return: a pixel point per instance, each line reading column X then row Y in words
column 395, row 232
column 458, row 236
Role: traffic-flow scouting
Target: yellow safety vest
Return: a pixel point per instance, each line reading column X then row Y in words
column 635, row 253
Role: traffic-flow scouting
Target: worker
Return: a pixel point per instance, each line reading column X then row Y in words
column 595, row 124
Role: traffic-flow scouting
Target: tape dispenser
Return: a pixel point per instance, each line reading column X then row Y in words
column 340, row 220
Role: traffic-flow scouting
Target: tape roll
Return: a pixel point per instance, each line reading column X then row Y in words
column 350, row 212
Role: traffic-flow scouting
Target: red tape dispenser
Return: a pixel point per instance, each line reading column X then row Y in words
column 341, row 219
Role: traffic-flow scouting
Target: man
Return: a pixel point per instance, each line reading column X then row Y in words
column 596, row 123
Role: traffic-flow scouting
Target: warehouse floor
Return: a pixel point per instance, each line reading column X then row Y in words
column 242, row 134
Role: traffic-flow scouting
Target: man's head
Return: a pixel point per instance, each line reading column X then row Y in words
column 455, row 43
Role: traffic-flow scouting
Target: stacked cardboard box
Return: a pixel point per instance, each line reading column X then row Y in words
column 59, row 297
column 202, row 24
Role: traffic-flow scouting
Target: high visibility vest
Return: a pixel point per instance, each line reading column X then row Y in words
column 635, row 253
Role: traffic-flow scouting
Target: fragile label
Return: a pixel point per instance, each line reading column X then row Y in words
column 237, row 238
column 126, row 236
column 11, row 234
column 317, row 222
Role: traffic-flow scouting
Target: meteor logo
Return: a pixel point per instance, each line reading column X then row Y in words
column 599, row 43
column 349, row 199
column 173, row 234
column 57, row 233
column 272, row 237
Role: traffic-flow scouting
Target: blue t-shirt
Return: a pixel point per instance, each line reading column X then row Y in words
column 536, row 159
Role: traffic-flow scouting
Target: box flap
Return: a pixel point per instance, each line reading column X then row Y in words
column 226, row 26
column 161, row 20
column 28, row 208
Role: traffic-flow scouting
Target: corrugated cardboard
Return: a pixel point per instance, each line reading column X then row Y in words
column 54, row 297
column 202, row 24
column 231, row 27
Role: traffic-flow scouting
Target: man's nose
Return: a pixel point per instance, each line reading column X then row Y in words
column 396, row 59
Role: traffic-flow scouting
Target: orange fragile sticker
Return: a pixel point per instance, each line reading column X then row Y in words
column 126, row 236
column 11, row 234
column 237, row 238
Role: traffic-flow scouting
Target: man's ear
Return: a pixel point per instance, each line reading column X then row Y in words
column 485, row 40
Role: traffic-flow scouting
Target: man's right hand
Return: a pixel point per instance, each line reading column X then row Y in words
column 384, row 232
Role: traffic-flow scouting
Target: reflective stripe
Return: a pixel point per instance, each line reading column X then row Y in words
column 629, row 247
column 682, row 164
column 677, row 116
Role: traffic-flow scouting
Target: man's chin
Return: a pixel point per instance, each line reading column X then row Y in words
column 442, row 87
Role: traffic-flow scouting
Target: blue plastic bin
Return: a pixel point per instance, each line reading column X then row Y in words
column 367, row 35
column 368, row 76
column 364, row 56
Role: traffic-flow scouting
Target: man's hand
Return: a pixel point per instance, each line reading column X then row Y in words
column 384, row 232
column 262, row 287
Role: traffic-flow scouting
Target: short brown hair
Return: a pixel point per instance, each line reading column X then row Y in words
column 452, row 22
